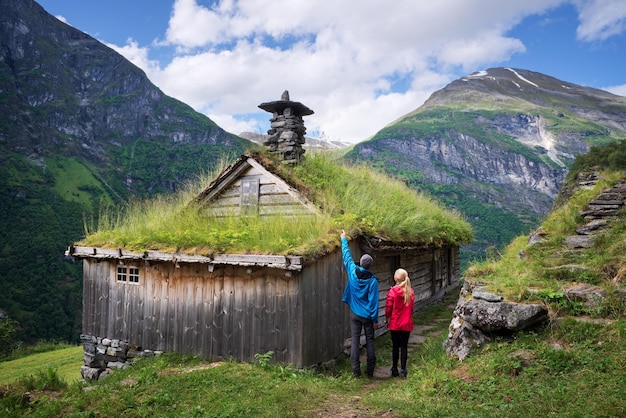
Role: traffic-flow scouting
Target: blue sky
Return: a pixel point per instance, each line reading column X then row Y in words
column 358, row 65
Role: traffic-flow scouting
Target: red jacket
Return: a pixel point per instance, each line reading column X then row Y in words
column 398, row 314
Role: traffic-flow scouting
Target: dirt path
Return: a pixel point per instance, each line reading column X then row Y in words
column 352, row 407
column 419, row 334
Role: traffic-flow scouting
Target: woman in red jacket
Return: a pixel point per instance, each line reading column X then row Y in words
column 399, row 315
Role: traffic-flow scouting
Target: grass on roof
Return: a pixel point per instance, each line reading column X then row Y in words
column 354, row 198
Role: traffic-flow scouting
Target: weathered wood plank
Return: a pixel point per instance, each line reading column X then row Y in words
column 218, row 315
column 238, row 317
column 270, row 188
column 232, row 200
column 278, row 200
column 274, row 261
column 227, row 317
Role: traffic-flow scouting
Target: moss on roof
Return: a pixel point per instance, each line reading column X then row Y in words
column 354, row 198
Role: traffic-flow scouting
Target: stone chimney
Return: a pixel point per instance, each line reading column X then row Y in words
column 286, row 135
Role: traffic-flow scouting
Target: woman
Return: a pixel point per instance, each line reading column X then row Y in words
column 399, row 316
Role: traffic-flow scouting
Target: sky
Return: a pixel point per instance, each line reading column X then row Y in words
column 359, row 65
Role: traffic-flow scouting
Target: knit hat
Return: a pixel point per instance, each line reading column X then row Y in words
column 366, row 261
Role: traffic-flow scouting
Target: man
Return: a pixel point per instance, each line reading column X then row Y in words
column 361, row 294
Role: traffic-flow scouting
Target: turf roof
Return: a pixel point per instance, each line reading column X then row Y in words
column 354, row 198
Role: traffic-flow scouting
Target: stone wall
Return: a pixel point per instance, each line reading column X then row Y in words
column 103, row 355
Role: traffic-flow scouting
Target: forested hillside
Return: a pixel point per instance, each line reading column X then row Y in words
column 80, row 126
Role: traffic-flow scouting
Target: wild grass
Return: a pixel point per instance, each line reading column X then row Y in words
column 65, row 360
column 534, row 373
column 353, row 198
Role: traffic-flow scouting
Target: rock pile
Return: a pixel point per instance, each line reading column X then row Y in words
column 102, row 355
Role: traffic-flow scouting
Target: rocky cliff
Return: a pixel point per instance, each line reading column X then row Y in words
column 66, row 93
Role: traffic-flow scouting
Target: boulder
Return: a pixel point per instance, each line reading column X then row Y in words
column 90, row 373
column 462, row 339
column 500, row 316
column 479, row 313
column 486, row 296
column 591, row 295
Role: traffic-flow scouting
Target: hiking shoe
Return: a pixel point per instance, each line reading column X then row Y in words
column 394, row 372
column 403, row 373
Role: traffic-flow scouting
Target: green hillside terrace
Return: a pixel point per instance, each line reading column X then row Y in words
column 353, row 198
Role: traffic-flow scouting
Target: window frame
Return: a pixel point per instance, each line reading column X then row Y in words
column 127, row 274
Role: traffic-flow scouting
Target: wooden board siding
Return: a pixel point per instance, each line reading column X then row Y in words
column 273, row 197
column 325, row 319
column 228, row 313
column 237, row 311
column 432, row 272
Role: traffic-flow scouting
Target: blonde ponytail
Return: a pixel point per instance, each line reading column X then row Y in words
column 401, row 278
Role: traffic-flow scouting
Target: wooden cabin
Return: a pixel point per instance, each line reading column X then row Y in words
column 227, row 306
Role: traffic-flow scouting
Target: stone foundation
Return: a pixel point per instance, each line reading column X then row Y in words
column 103, row 355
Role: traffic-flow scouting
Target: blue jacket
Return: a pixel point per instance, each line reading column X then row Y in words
column 361, row 291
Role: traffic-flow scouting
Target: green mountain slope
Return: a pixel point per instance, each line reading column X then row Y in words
column 497, row 146
column 79, row 126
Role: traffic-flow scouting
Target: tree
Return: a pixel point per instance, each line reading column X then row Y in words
column 7, row 335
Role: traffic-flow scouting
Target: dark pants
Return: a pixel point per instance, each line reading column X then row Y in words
column 400, row 340
column 357, row 324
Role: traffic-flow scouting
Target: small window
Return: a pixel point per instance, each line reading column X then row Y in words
column 121, row 274
column 128, row 274
column 133, row 275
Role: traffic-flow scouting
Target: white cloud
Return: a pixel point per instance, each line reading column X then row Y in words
column 600, row 19
column 238, row 125
column 359, row 66
column 136, row 54
column 472, row 53
column 619, row 90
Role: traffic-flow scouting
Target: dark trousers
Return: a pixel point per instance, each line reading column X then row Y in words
column 400, row 340
column 357, row 324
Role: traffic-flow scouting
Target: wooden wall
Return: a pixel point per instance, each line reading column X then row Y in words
column 272, row 197
column 237, row 312
column 227, row 313
column 326, row 320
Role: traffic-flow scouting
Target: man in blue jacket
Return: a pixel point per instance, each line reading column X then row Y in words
column 361, row 293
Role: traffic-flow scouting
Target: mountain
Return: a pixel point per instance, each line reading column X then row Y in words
column 496, row 145
column 310, row 143
column 79, row 126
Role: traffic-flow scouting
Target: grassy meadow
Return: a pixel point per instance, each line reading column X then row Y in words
column 65, row 360
column 572, row 369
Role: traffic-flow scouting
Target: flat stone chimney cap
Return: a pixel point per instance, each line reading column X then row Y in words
column 297, row 108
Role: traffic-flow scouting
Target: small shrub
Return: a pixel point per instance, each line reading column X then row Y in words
column 264, row 359
column 47, row 379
